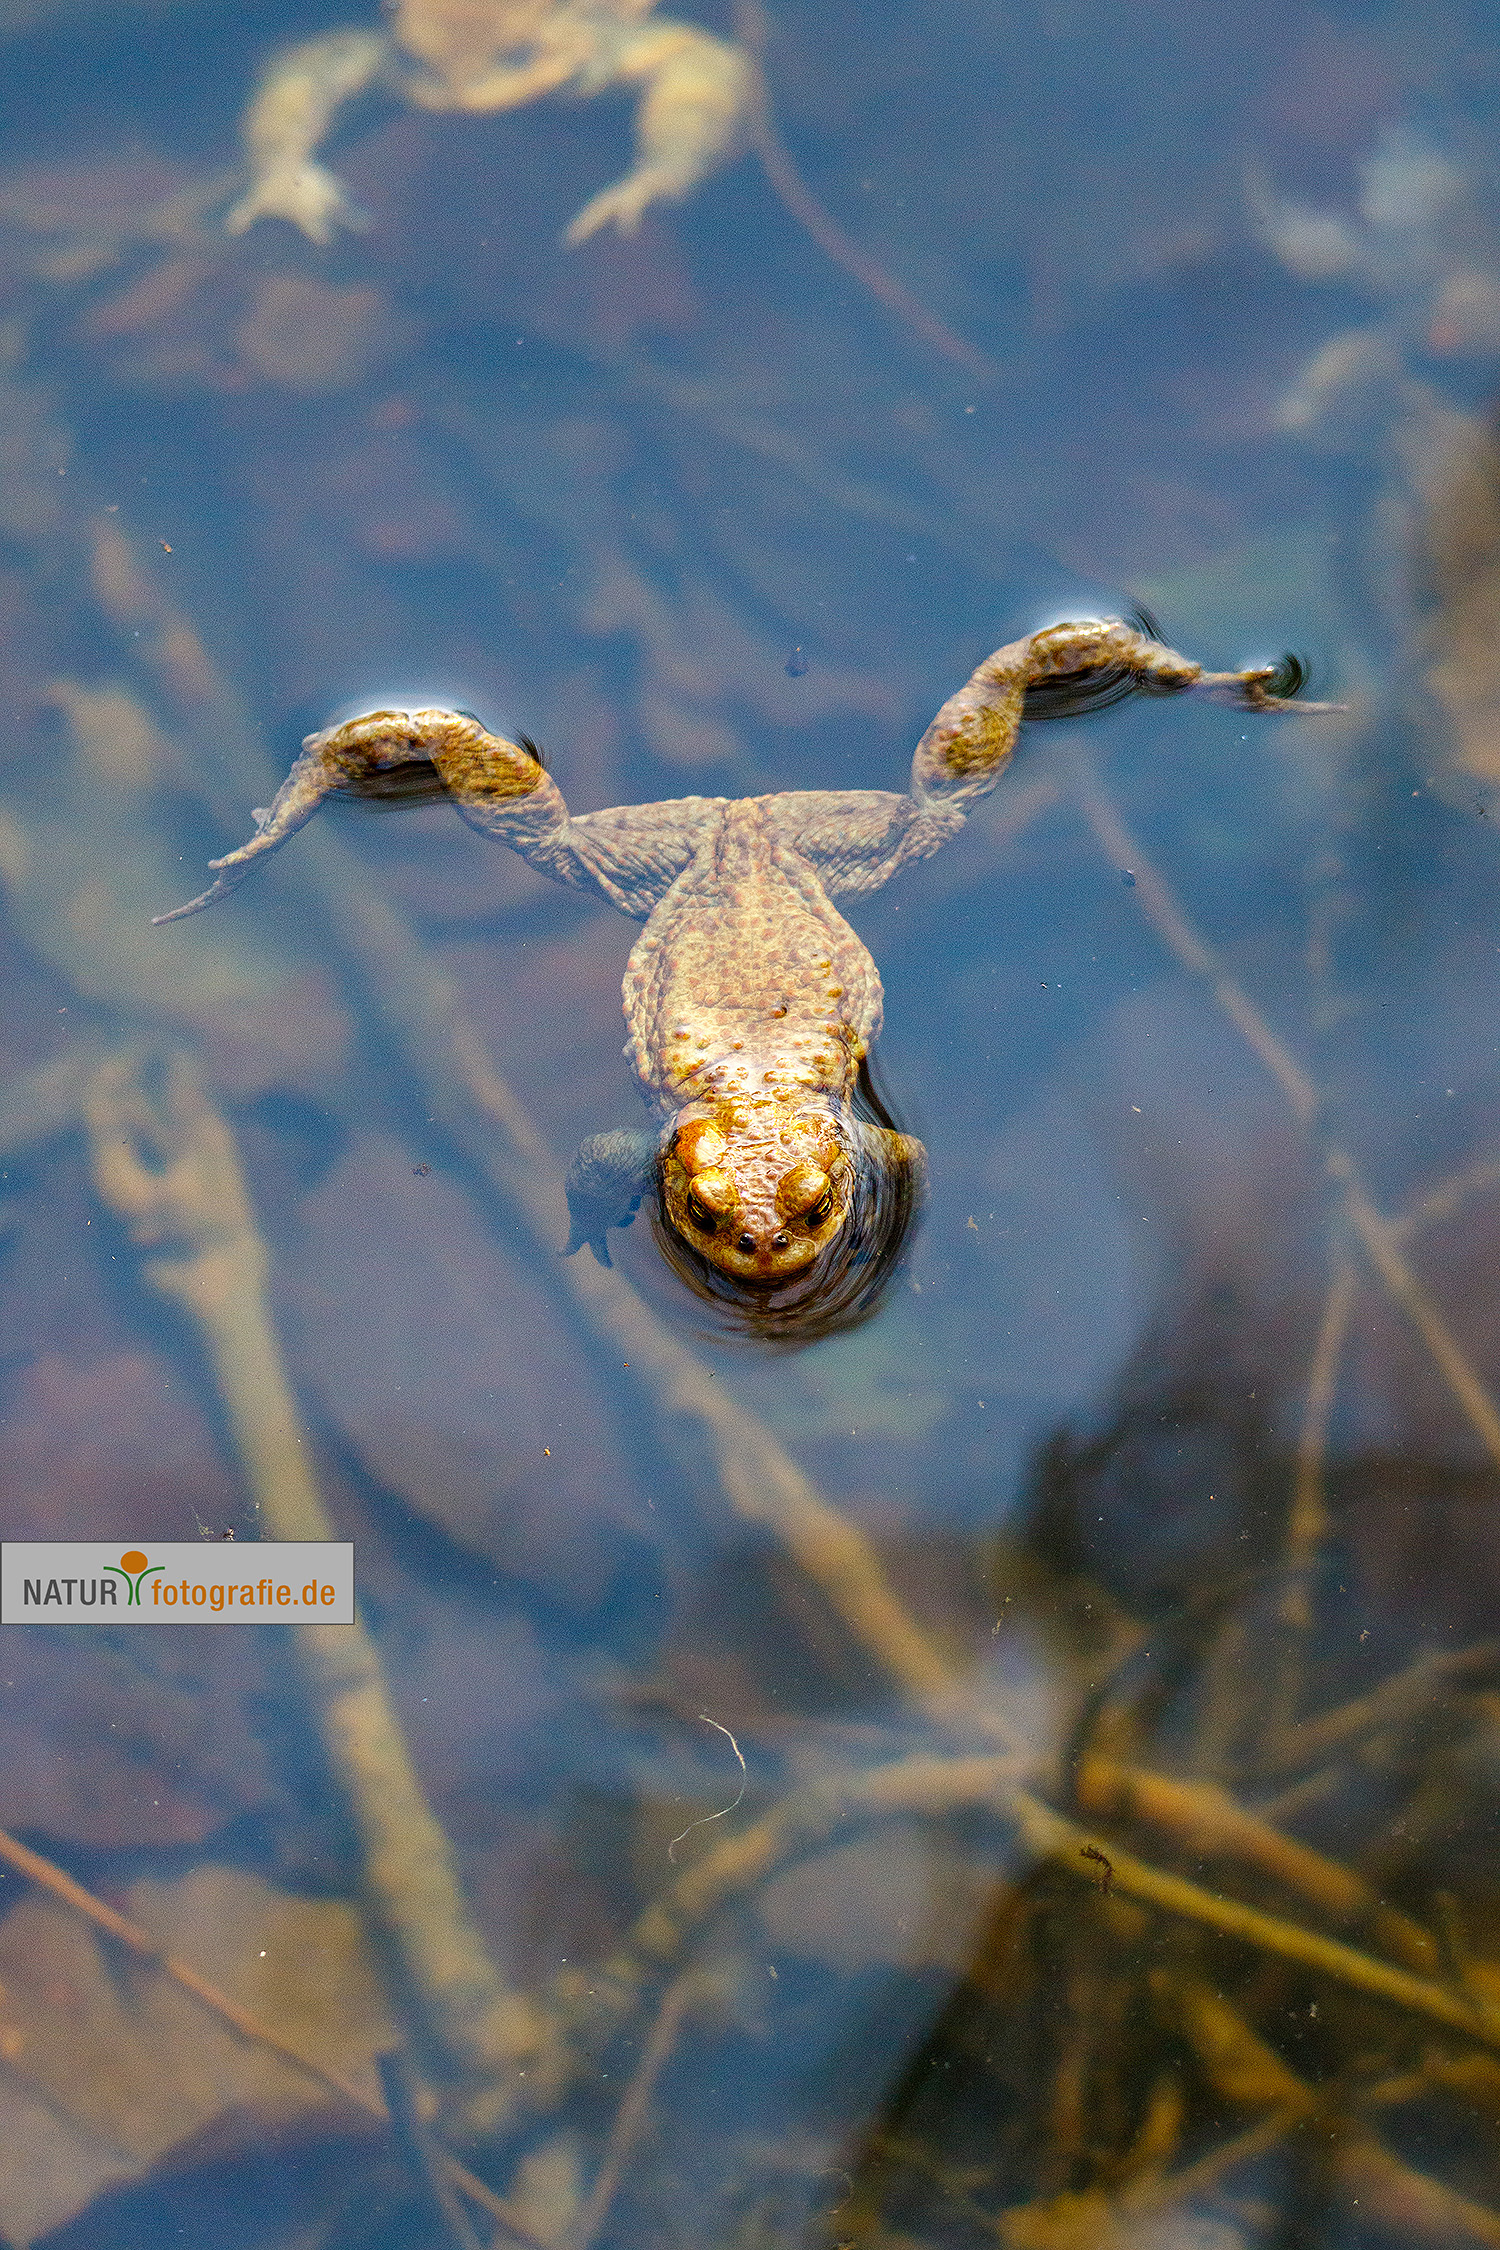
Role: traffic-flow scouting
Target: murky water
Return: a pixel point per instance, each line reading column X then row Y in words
column 1026, row 1769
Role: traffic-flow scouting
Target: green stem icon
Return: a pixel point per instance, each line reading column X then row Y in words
column 133, row 1567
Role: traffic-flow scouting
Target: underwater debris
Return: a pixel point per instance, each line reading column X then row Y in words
column 724, row 1810
column 1424, row 243
column 165, row 1163
column 214, row 2002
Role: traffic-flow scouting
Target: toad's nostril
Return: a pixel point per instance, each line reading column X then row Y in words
column 780, row 1241
column 747, row 1243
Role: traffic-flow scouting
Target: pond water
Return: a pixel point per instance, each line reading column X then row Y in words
column 1023, row 1769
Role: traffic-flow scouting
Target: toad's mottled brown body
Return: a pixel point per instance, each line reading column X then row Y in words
column 750, row 1002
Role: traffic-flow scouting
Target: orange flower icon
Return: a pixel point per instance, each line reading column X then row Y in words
column 133, row 1568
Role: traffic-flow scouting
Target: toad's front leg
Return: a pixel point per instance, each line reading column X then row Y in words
column 499, row 786
column 696, row 95
column 293, row 108
column 607, row 1182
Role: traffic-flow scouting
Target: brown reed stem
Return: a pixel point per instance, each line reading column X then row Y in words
column 167, row 1165
column 1307, row 1520
column 47, row 1876
column 630, row 2117
column 933, row 1787
column 1061, row 1841
column 62, row 1886
column 816, row 220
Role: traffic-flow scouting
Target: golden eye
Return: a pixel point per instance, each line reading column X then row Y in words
column 703, row 1220
column 710, row 1198
column 805, row 1193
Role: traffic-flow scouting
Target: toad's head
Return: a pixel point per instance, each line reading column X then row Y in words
column 758, row 1191
column 787, row 1215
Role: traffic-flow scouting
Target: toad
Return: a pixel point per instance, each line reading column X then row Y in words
column 695, row 92
column 781, row 1188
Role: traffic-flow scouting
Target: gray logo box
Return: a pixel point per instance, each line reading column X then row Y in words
column 176, row 1582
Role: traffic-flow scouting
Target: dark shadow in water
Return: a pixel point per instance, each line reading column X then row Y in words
column 1109, row 2069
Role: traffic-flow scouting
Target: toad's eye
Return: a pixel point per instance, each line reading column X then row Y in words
column 806, row 1193
column 710, row 1198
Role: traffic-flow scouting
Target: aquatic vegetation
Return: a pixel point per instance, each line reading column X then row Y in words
column 231, row 2037
column 165, row 1163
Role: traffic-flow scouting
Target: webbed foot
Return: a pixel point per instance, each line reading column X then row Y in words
column 624, row 206
column 606, row 1182
column 308, row 195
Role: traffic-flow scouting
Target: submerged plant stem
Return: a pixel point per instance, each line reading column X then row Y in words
column 734, row 1866
column 1430, row 1681
column 165, row 1162
column 1054, row 1838
column 1307, row 1520
column 1206, row 1821
column 935, row 1788
column 819, row 223
column 630, row 2117
column 1308, row 1523
column 1378, row 1240
column 62, row 1886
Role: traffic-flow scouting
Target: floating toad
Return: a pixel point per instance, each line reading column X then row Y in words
column 751, row 1004
column 695, row 92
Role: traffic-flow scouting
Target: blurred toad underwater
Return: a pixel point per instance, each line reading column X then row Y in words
column 482, row 55
column 1023, row 1767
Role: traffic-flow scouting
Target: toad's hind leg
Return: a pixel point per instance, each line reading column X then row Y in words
column 392, row 755
column 1061, row 672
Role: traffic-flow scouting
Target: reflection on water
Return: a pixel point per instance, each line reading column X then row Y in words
column 1107, row 1624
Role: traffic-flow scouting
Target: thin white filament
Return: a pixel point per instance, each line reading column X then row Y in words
column 724, row 1810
